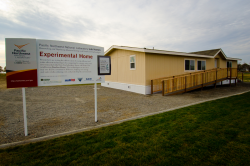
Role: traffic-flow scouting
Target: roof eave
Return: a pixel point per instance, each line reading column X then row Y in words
column 155, row 51
column 224, row 55
column 236, row 59
column 176, row 53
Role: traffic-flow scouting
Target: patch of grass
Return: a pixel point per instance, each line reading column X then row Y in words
column 212, row 133
column 3, row 84
column 246, row 76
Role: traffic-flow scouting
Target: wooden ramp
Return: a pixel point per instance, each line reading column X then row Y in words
column 183, row 83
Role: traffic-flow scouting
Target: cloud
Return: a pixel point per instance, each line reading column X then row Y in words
column 169, row 25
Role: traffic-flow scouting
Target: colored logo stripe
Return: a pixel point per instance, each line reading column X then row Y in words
column 19, row 71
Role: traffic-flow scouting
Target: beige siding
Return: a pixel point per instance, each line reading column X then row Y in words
column 120, row 69
column 222, row 62
column 210, row 63
column 234, row 64
column 158, row 65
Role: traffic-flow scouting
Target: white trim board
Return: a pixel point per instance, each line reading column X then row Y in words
column 141, row 89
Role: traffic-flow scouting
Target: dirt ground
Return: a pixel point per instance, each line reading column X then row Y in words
column 53, row 110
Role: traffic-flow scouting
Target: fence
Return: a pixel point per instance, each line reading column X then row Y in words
column 244, row 76
column 192, row 80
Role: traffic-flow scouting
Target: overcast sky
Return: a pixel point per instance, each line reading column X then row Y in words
column 174, row 25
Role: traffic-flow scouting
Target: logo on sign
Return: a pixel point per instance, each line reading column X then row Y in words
column 21, row 46
column 20, row 51
column 69, row 80
column 99, row 79
column 88, row 79
column 80, row 79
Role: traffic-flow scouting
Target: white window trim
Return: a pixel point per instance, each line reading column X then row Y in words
column 194, row 65
column 205, row 64
column 130, row 62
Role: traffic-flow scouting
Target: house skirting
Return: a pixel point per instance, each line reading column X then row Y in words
column 227, row 81
column 141, row 89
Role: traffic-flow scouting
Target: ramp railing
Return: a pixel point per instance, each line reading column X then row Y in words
column 186, row 82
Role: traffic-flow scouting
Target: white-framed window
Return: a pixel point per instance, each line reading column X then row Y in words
column 201, row 65
column 229, row 63
column 189, row 65
column 132, row 61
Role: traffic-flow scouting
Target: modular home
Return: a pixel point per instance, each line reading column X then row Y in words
column 134, row 68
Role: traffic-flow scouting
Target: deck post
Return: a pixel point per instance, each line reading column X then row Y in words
column 215, row 78
column 235, row 81
column 242, row 76
column 202, row 80
column 173, row 85
column 163, row 88
column 227, row 72
column 152, row 87
column 230, row 76
column 185, row 83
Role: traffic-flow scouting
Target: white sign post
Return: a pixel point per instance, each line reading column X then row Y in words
column 24, row 113
column 96, row 103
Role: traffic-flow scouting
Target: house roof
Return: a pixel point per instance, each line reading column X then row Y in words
column 213, row 53
column 207, row 52
column 204, row 54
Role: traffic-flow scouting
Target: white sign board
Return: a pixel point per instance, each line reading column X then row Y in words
column 64, row 63
column 37, row 62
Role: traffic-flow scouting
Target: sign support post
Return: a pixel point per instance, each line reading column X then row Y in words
column 24, row 113
column 96, row 102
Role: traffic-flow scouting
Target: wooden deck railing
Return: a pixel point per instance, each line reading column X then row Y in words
column 243, row 76
column 156, row 84
column 192, row 81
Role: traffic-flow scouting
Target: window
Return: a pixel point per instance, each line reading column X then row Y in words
column 132, row 62
column 189, row 65
column 201, row 65
column 229, row 63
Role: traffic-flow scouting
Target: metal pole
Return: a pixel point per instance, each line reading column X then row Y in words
column 95, row 102
column 24, row 113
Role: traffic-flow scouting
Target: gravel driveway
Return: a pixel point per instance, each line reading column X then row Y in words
column 52, row 110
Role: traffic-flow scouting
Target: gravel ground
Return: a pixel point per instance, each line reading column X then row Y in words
column 53, row 110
